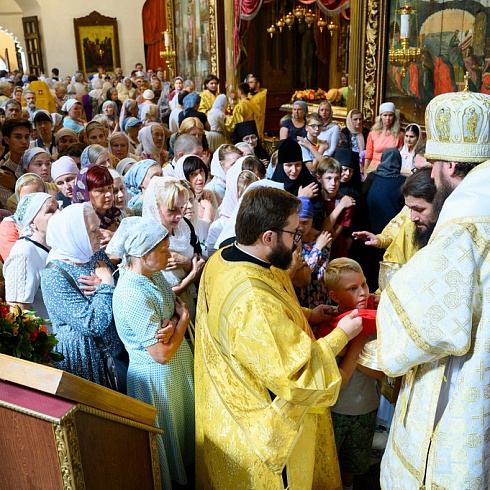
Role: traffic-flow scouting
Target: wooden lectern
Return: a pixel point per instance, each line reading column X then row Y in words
column 58, row 431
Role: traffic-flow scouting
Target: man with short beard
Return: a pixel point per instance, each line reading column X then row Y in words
column 258, row 367
column 30, row 97
column 411, row 228
column 434, row 314
column 418, row 190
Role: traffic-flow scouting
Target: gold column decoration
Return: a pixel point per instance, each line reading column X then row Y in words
column 370, row 62
column 356, row 56
column 231, row 75
column 69, row 459
column 213, row 35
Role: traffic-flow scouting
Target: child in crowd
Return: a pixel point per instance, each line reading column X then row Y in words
column 312, row 148
column 354, row 414
column 339, row 209
column 316, row 251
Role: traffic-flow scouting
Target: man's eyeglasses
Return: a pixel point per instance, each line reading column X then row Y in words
column 296, row 234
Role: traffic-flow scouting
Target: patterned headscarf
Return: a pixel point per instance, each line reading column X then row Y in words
column 84, row 158
column 136, row 236
column 27, row 210
column 190, row 101
column 81, row 195
column 134, row 178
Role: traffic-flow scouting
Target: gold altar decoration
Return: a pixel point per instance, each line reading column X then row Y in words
column 169, row 56
column 300, row 13
column 406, row 54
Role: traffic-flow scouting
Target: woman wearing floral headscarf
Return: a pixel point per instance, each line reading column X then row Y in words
column 22, row 269
column 95, row 155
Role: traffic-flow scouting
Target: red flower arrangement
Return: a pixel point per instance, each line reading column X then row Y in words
column 26, row 336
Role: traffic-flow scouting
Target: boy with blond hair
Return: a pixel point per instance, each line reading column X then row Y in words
column 354, row 414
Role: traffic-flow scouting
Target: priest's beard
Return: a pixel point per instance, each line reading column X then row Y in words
column 281, row 257
column 444, row 190
column 422, row 235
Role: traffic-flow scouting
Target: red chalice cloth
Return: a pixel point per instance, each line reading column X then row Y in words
column 368, row 323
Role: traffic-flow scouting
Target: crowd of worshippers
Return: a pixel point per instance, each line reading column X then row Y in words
column 129, row 184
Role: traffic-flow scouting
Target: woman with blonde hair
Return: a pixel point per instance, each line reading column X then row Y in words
column 384, row 134
column 164, row 202
column 192, row 126
column 95, row 134
column 329, row 131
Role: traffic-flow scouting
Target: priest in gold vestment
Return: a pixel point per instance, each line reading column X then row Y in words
column 263, row 384
column 434, row 319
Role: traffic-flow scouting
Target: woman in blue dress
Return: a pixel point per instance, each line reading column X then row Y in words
column 81, row 311
column 161, row 372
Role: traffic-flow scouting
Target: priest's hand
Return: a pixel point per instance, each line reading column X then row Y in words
column 323, row 313
column 369, row 238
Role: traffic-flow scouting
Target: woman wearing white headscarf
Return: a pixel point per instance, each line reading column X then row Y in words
column 217, row 136
column 223, row 159
column 22, row 269
column 164, row 201
column 152, row 139
column 77, row 286
column 160, row 373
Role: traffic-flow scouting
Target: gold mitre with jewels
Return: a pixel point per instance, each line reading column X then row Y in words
column 458, row 127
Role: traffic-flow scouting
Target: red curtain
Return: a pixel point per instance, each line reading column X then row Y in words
column 154, row 23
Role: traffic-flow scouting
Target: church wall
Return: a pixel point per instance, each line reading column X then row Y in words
column 58, row 35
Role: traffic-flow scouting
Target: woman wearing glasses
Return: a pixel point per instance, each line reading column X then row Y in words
column 247, row 132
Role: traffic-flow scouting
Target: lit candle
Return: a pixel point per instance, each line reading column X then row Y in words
column 405, row 28
column 167, row 38
column 199, row 41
